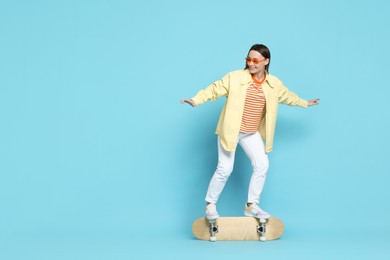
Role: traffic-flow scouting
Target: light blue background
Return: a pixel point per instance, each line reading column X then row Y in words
column 99, row 160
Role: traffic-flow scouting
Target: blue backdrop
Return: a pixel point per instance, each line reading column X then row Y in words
column 99, row 160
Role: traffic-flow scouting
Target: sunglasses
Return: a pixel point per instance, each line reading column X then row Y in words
column 255, row 61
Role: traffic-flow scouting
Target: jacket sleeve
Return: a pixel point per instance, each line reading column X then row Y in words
column 290, row 98
column 217, row 89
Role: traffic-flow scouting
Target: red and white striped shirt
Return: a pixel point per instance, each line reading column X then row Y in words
column 254, row 107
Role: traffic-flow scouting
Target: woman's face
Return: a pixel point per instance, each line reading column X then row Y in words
column 260, row 66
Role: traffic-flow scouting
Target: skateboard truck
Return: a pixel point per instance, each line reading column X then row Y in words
column 261, row 229
column 213, row 228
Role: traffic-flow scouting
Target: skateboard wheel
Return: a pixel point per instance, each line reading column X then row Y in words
column 213, row 239
column 263, row 239
column 262, row 220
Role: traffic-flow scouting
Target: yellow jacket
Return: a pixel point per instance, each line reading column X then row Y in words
column 234, row 86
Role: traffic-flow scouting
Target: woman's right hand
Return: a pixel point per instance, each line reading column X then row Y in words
column 188, row 101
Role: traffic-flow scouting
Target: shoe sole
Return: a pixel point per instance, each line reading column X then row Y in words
column 212, row 218
column 248, row 214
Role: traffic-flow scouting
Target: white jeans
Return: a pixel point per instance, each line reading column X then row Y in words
column 253, row 146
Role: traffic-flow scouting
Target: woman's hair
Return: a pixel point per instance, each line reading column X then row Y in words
column 264, row 51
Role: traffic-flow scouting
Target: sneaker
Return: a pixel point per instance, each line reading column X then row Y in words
column 254, row 211
column 211, row 212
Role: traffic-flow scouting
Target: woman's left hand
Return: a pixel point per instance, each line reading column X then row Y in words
column 313, row 102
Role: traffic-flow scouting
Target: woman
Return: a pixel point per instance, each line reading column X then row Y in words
column 248, row 118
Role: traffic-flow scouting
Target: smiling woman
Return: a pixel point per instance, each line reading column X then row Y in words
column 248, row 118
column 258, row 60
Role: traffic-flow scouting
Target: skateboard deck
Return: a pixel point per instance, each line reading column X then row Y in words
column 238, row 228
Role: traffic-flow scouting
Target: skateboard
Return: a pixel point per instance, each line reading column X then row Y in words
column 238, row 228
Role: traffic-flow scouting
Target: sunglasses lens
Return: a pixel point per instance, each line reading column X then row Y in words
column 255, row 61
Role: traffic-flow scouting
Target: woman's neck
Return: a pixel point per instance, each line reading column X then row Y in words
column 259, row 76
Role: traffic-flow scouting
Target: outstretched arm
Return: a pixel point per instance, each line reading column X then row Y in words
column 217, row 89
column 290, row 98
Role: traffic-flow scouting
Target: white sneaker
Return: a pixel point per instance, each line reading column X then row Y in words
column 254, row 211
column 211, row 212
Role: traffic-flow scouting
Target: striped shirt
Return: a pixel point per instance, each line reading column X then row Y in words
column 254, row 107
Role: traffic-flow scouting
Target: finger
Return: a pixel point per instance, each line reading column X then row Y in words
column 187, row 101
